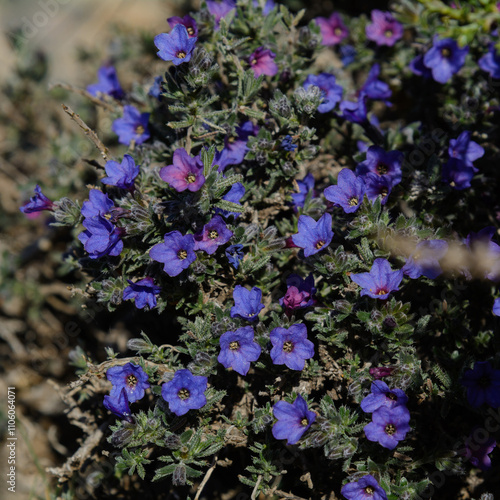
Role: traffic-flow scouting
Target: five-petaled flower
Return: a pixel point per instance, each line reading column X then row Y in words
column 185, row 392
column 187, row 21
column 299, row 294
column 293, row 420
column 333, row 30
column 176, row 252
column 348, row 193
column 332, row 93
column 388, row 426
column 238, row 348
column 247, row 303
column 262, row 62
column 122, row 174
column 483, row 385
column 382, row 163
column 291, row 346
column 384, row 29
column 37, row 203
column 381, row 395
column 176, row 46
column 186, row 172
column 313, row 236
column 445, row 58
column 133, row 126
column 366, row 488
column 101, row 237
column 143, row 291
column 108, row 83
column 130, row 377
column 380, row 281
column 213, row 234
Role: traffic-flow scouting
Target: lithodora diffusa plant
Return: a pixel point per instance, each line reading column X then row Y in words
column 320, row 237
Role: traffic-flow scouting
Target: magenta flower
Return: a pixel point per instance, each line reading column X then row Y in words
column 380, row 281
column 384, row 29
column 220, row 9
column 293, row 420
column 333, row 30
column 176, row 46
column 262, row 62
column 478, row 447
column 213, row 234
column 186, row 172
column 291, row 346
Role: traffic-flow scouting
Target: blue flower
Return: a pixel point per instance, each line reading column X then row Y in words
column 347, row 54
column 291, row 346
column 375, row 88
column 349, row 191
column 425, row 259
column 382, row 163
column 97, row 204
column 133, row 126
column 143, row 291
column 465, row 150
column 381, row 395
column 238, row 348
column 185, row 392
column 366, row 488
column 175, row 46
column 235, row 148
column 119, row 405
column 220, row 9
column 418, row 67
column 268, row 7
column 355, row 112
column 332, row 93
column 445, row 58
column 37, row 203
column 380, row 281
column 156, row 90
column 122, row 174
column 108, row 83
column 247, row 303
column 313, row 236
column 234, row 195
column 483, row 385
column 496, row 307
column 101, row 237
column 490, row 62
column 234, row 254
column 293, row 420
column 305, row 186
column 377, row 185
column 388, row 426
column 287, row 144
column 457, row 174
column 176, row 252
column 130, row 377
column 213, row 234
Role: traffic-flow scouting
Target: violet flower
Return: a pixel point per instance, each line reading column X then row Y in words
column 291, row 346
column 133, row 126
column 238, row 349
column 388, row 426
column 37, row 203
column 143, row 291
column 305, row 186
column 332, row 93
column 108, row 83
column 262, row 62
column 187, row 21
column 374, row 88
column 130, row 377
column 490, row 62
column 213, row 234
column 483, row 385
column 378, row 186
column 348, row 193
column 465, row 150
column 220, row 9
column 176, row 46
column 380, row 281
column 185, row 392
column 381, row 395
column 293, row 420
column 445, row 58
column 313, row 236
column 366, row 488
column 122, row 174
column 478, row 449
column 119, row 405
column 186, row 172
column 176, row 252
column 234, row 254
column 101, row 237
column 382, row 163
column 299, row 294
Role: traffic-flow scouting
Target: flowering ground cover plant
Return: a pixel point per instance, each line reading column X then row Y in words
column 320, row 239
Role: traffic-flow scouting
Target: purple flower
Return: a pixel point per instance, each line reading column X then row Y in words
column 384, row 29
column 176, row 46
column 374, row 88
column 176, row 253
column 382, row 163
column 424, row 261
column 418, row 67
column 313, row 236
column 483, row 385
column 130, row 377
column 380, row 281
column 143, row 291
column 37, row 203
column 293, row 420
column 490, row 62
column 235, row 148
column 220, row 9
column 291, row 346
column 101, row 237
column 378, row 372
column 445, row 58
column 457, row 174
column 108, row 83
column 268, row 6
column 462, row 148
column 186, row 172
column 238, row 348
column 122, row 174
column 97, row 204
column 348, row 193
column 234, row 254
column 366, row 488
column 496, row 307
column 234, row 194
column 213, row 234
column 287, row 144
column 333, row 30
column 156, row 90
column 119, row 405
column 487, row 252
column 377, row 185
column 355, row 112
column 305, row 185
column 332, row 93
column 299, row 293
column 381, row 395
column 247, row 303
column 477, row 449
column 133, row 126
column 262, row 62
column 187, row 21
column 185, row 392
column 388, row 426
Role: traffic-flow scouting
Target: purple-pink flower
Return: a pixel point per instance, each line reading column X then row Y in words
column 213, row 234
column 262, row 62
column 333, row 30
column 186, row 172
column 384, row 29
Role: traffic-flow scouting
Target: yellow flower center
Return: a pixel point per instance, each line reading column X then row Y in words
column 234, row 345
column 181, row 54
column 304, row 422
column 190, row 178
column 182, row 254
column 183, row 393
column 353, row 201
column 382, row 168
column 139, row 130
column 213, row 234
column 131, row 380
column 288, row 346
column 388, row 33
column 446, row 52
column 390, row 429
column 319, row 244
column 190, row 31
